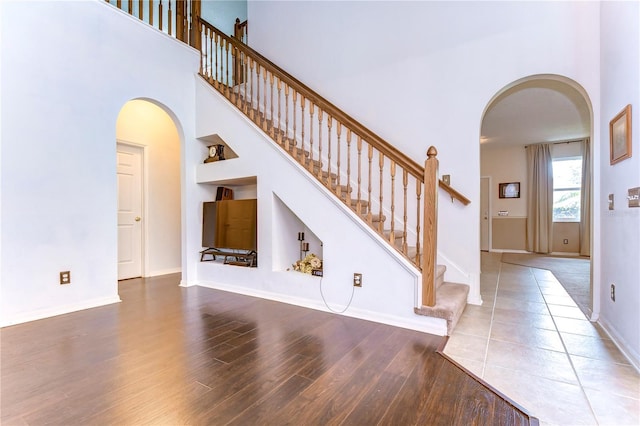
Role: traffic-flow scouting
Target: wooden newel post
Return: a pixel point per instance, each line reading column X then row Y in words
column 181, row 19
column 237, row 30
column 430, row 232
column 195, row 32
column 238, row 63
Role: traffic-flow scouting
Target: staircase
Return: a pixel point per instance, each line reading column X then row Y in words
column 391, row 193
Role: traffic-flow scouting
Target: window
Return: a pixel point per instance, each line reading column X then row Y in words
column 567, row 182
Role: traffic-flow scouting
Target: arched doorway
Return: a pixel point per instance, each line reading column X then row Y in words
column 149, row 191
column 540, row 109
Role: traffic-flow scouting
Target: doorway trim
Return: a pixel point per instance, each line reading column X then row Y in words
column 596, row 148
column 145, row 201
column 489, row 217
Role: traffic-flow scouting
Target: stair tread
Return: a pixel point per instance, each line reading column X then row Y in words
column 378, row 218
column 343, row 188
column 451, row 299
column 397, row 233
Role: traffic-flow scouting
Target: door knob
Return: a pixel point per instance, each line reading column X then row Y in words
column 137, row 219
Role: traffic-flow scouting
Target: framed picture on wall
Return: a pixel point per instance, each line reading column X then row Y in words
column 620, row 136
column 509, row 190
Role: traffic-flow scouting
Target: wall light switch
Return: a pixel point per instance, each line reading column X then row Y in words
column 634, row 197
column 611, row 206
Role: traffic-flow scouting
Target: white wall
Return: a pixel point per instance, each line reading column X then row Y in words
column 422, row 73
column 620, row 237
column 145, row 124
column 62, row 89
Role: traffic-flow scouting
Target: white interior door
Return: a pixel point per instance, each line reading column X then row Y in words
column 484, row 213
column 129, row 169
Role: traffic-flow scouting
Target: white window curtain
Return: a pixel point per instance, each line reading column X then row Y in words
column 585, row 200
column 539, row 198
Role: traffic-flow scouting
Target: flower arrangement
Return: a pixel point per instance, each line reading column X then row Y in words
column 308, row 264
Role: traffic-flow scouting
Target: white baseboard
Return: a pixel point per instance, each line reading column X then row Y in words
column 629, row 353
column 164, row 272
column 423, row 324
column 184, row 283
column 59, row 310
column 564, row 253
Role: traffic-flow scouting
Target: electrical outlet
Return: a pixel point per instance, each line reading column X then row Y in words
column 613, row 292
column 565, row 241
column 357, row 279
column 65, row 277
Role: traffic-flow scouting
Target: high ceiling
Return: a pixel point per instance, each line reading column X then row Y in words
column 536, row 111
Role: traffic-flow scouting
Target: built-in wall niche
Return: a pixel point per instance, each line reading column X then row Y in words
column 288, row 231
column 229, row 222
column 214, row 147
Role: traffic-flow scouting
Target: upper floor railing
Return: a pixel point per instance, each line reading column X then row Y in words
column 178, row 18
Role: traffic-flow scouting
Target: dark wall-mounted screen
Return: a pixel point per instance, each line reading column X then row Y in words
column 230, row 224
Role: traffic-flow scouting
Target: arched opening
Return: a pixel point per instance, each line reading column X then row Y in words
column 540, row 109
column 149, row 191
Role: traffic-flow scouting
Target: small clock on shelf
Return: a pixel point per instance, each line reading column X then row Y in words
column 216, row 153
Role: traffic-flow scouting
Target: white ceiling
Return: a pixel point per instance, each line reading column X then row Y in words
column 536, row 111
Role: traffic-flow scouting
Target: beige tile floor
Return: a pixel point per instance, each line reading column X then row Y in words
column 531, row 342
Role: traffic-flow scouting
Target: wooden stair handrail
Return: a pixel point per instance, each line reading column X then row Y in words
column 383, row 146
column 258, row 71
column 454, row 194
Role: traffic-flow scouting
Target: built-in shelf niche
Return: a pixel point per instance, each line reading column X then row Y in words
column 286, row 246
column 215, row 139
column 243, row 188
column 232, row 171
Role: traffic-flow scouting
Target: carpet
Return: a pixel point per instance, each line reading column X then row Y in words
column 574, row 273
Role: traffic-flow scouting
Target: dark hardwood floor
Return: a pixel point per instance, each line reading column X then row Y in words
column 170, row 356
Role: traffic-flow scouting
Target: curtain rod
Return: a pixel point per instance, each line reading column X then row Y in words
column 559, row 142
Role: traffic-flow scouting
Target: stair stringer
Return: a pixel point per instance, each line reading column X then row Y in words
column 390, row 281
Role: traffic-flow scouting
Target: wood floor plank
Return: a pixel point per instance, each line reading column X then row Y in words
column 171, row 355
column 375, row 403
column 262, row 412
column 318, row 404
column 261, row 386
column 414, row 395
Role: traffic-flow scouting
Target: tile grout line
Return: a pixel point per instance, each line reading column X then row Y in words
column 566, row 350
column 493, row 310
